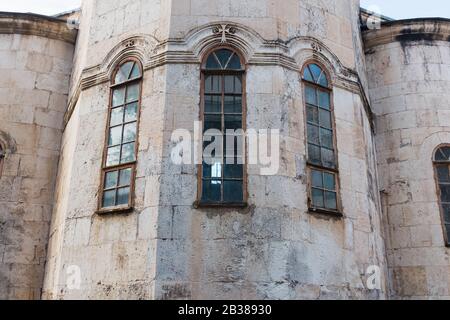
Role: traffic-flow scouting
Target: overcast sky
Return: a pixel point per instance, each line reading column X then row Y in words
column 398, row 9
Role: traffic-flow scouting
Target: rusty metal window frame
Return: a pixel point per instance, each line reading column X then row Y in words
column 441, row 159
column 118, row 168
column 321, row 84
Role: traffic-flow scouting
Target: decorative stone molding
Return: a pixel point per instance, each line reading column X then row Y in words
column 424, row 29
column 36, row 25
column 190, row 50
column 224, row 30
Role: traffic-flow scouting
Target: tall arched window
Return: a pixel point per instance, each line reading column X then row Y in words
column 223, row 105
column 119, row 161
column 322, row 157
column 442, row 168
column 2, row 157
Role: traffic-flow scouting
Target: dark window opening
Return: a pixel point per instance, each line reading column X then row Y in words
column 222, row 179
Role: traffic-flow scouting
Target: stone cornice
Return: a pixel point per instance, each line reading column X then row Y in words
column 404, row 31
column 37, row 25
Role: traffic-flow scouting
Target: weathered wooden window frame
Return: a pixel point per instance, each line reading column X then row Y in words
column 309, row 165
column 121, row 166
column 436, row 164
column 199, row 203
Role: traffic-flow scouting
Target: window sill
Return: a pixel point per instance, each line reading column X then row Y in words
column 202, row 204
column 114, row 210
column 333, row 213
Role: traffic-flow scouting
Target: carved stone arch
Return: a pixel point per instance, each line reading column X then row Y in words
column 140, row 47
column 304, row 49
column 204, row 38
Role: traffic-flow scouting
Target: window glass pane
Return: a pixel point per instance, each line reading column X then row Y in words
column 116, row 116
column 330, row 200
column 316, row 71
column 115, row 136
column 443, row 154
column 235, row 171
column 307, row 75
column 325, row 118
column 213, row 122
column 213, row 104
column 313, row 134
column 111, row 179
column 323, row 80
column 329, row 181
column 123, row 196
column 136, row 73
column 237, row 84
column 211, row 62
column 317, row 179
column 206, row 170
column 133, row 93
column 233, row 104
column 447, row 227
column 314, row 154
column 229, row 84
column 211, row 190
column 328, row 159
column 233, row 122
column 213, row 84
column 324, row 100
column 235, row 63
column 109, row 198
column 445, row 193
column 118, row 97
column 129, row 132
column 312, row 114
column 131, row 112
column 446, row 213
column 317, row 198
column 125, row 177
column 310, row 94
column 128, row 153
column 326, row 138
column 234, row 145
column 223, row 56
column 443, row 173
column 124, row 72
column 113, row 156
column 233, row 191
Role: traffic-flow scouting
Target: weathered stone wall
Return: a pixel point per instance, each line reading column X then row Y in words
column 115, row 254
column 274, row 249
column 166, row 249
column 35, row 65
column 409, row 77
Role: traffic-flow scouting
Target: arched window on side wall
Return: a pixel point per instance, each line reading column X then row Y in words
column 223, row 108
column 2, row 159
column 320, row 132
column 442, row 168
column 120, row 155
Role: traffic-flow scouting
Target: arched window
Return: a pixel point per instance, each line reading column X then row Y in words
column 223, row 105
column 121, row 137
column 442, row 168
column 322, row 158
column 2, row 157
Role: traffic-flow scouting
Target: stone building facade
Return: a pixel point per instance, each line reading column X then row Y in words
column 62, row 236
